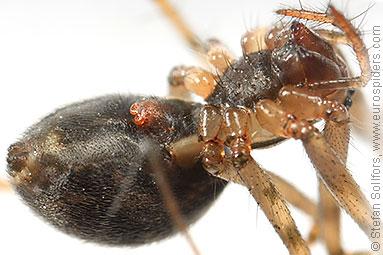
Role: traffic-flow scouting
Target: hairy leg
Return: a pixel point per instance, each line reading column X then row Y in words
column 198, row 80
column 220, row 127
column 280, row 119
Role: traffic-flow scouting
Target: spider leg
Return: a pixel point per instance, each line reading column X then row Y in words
column 226, row 129
column 338, row 20
column 273, row 205
column 173, row 16
column 218, row 55
column 254, row 40
column 186, row 152
column 271, row 201
column 337, row 137
column 198, row 80
column 329, row 220
column 358, row 100
column 294, row 196
column 286, row 120
column 361, row 118
column 300, row 201
column 176, row 83
column 329, row 214
column 334, row 36
column 193, row 79
column 169, row 198
column 335, row 175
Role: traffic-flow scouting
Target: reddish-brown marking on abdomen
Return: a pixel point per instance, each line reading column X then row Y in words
column 145, row 112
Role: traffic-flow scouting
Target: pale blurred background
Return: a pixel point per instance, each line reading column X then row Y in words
column 56, row 52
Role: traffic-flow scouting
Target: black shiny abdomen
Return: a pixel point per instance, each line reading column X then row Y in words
column 85, row 169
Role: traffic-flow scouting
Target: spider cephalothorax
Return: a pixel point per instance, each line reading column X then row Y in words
column 279, row 89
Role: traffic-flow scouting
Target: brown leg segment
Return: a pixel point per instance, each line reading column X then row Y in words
column 194, row 79
column 334, row 37
column 329, row 221
column 360, row 117
column 272, row 203
column 335, row 175
column 274, row 206
column 198, row 80
column 337, row 136
column 287, row 118
column 219, row 126
column 330, row 166
column 218, row 55
column 254, row 40
column 176, row 83
column 169, row 199
column 294, row 196
column 179, row 23
column 187, row 150
column 300, row 201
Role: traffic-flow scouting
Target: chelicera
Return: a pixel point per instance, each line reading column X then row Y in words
column 88, row 168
